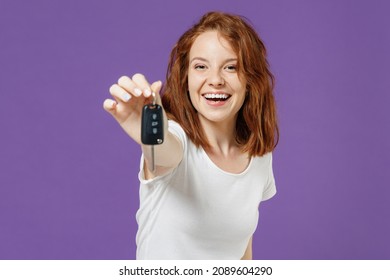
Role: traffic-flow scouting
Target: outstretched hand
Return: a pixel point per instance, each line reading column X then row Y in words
column 130, row 95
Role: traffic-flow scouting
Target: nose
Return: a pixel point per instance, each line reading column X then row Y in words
column 215, row 78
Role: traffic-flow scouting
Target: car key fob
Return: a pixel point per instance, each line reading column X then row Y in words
column 152, row 124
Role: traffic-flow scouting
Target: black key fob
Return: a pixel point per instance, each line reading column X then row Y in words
column 152, row 125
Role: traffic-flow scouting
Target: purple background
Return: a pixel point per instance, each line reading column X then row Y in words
column 68, row 173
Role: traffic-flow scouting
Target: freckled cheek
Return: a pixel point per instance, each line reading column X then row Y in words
column 194, row 85
column 193, row 93
column 241, row 90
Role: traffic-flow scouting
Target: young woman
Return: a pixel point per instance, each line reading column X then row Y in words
column 215, row 165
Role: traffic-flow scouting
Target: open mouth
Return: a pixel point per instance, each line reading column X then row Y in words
column 217, row 97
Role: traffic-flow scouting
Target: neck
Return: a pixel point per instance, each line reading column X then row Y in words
column 220, row 135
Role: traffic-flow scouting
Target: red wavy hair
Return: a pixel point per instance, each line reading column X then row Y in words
column 256, row 128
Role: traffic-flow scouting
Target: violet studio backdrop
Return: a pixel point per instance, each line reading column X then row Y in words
column 68, row 173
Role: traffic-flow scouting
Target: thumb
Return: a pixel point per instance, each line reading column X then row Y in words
column 156, row 87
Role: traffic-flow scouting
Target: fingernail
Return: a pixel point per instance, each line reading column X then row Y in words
column 148, row 92
column 137, row 91
column 113, row 103
column 126, row 97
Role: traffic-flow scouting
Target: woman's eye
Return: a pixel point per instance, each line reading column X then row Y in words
column 200, row 67
column 231, row 67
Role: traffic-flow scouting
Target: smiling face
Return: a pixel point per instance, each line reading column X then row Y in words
column 216, row 91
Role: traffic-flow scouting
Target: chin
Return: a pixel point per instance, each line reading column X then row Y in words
column 216, row 118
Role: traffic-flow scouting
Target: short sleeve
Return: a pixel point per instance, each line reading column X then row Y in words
column 270, row 188
column 178, row 131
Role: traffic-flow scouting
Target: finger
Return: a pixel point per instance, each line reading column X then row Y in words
column 156, row 87
column 141, row 82
column 119, row 93
column 110, row 106
column 127, row 84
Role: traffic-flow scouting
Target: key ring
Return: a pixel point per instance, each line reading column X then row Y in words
column 154, row 99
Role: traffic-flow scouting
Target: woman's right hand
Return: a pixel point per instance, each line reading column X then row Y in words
column 130, row 95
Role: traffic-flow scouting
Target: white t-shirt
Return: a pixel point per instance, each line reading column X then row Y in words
column 199, row 211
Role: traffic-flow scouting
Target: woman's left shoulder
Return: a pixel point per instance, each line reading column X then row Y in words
column 265, row 157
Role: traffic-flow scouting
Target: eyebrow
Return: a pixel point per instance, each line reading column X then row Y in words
column 205, row 60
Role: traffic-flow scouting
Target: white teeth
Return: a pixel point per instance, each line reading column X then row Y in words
column 216, row 95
